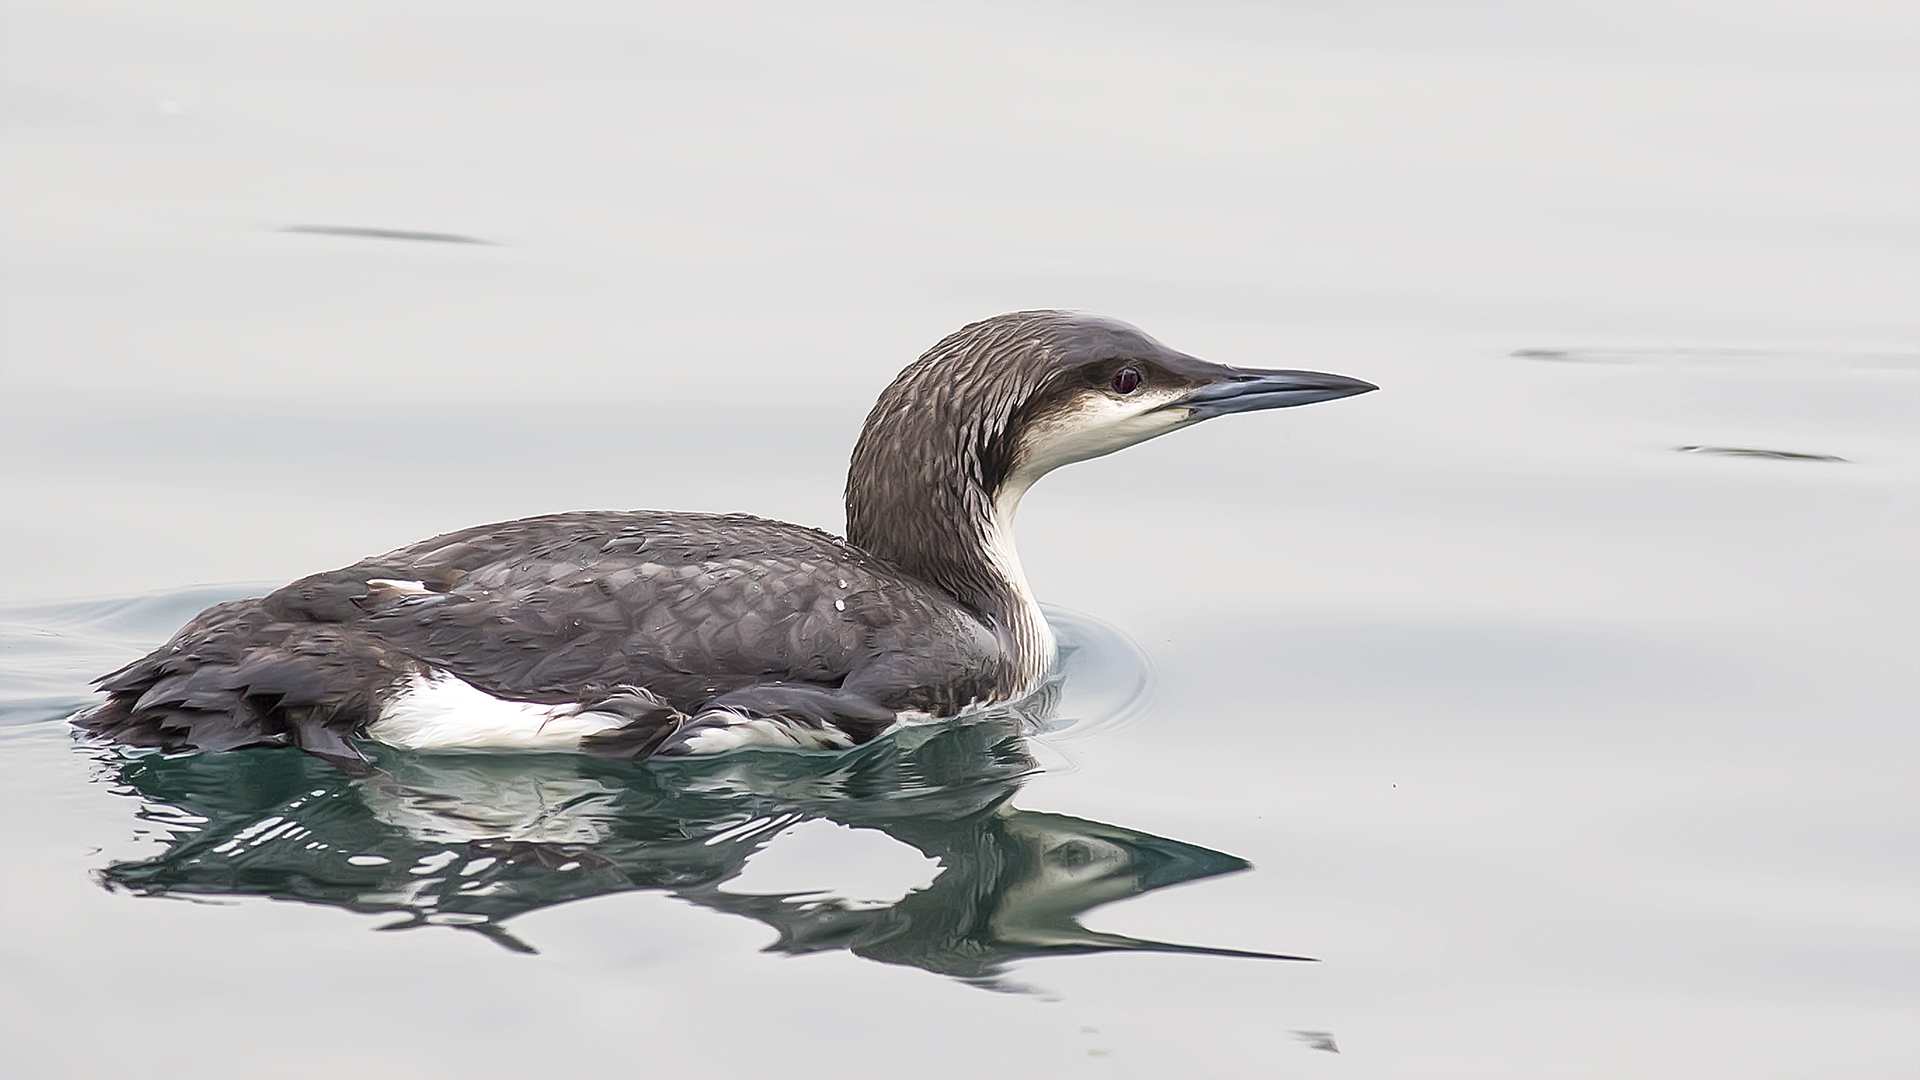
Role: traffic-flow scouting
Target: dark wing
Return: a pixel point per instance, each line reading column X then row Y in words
column 689, row 606
column 736, row 612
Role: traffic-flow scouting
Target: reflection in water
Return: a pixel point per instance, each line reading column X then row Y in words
column 1754, row 452
column 474, row 840
column 1672, row 355
column 1318, row 1040
column 385, row 234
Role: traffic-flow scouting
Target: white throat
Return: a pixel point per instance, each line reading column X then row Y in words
column 1100, row 425
column 1033, row 638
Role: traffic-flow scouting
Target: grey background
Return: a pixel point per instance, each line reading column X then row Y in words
column 1569, row 754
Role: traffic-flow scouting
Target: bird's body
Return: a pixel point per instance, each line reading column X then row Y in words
column 610, row 628
column 634, row 633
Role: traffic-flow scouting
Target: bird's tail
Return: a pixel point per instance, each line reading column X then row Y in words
column 236, row 677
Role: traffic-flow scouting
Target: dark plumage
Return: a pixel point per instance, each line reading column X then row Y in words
column 664, row 629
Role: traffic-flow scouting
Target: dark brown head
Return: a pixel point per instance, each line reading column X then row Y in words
column 964, row 431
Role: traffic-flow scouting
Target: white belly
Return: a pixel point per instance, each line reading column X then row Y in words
column 443, row 712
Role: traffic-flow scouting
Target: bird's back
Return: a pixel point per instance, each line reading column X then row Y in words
column 556, row 609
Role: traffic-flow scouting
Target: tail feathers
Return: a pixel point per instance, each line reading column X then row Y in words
column 235, row 678
column 240, row 723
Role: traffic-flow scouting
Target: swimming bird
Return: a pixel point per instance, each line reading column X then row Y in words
column 636, row 633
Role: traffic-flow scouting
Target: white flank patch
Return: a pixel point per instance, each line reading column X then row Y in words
column 716, row 732
column 443, row 712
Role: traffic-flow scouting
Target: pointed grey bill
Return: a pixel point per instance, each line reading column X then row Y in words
column 1250, row 390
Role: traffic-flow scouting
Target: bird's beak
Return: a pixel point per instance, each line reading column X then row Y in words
column 1236, row 390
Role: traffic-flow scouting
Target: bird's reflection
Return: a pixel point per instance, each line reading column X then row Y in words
column 474, row 840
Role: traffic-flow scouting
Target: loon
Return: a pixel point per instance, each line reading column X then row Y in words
column 639, row 633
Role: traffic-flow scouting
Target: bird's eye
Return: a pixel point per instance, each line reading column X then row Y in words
column 1126, row 381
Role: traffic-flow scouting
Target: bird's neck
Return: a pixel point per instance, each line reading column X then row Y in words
column 944, row 526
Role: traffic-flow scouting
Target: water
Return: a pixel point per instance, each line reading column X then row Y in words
column 1556, row 701
column 474, row 841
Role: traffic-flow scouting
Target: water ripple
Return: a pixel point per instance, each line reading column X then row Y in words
column 907, row 850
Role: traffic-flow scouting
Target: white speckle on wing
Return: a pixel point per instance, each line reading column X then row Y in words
column 393, row 585
column 839, row 605
column 443, row 712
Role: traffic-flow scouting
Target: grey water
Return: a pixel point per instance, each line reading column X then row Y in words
column 475, row 840
column 1551, row 712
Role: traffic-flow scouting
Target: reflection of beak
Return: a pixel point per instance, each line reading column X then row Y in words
column 1250, row 390
column 1069, row 866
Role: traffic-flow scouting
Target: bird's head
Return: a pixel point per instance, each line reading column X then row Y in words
column 1002, row 402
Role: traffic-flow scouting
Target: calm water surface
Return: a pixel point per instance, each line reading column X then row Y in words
column 1556, row 704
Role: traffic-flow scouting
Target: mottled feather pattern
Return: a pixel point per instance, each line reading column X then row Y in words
column 237, row 676
column 571, row 608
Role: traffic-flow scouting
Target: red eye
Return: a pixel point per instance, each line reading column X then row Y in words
column 1126, row 381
